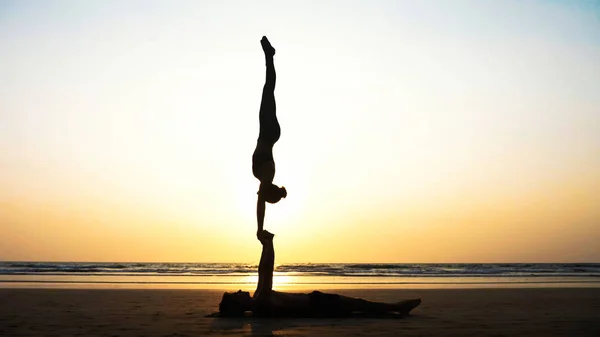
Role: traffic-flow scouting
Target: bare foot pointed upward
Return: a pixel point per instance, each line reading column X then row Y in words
column 266, row 46
column 266, row 236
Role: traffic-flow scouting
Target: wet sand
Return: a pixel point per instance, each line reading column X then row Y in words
column 444, row 312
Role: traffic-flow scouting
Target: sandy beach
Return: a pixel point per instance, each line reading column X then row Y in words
column 444, row 312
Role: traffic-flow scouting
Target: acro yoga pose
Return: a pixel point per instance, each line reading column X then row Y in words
column 263, row 165
column 267, row 302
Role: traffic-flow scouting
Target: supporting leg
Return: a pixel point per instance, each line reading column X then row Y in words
column 266, row 265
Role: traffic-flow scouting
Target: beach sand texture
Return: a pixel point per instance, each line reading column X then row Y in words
column 444, row 312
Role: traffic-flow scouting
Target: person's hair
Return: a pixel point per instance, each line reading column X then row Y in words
column 231, row 305
column 272, row 193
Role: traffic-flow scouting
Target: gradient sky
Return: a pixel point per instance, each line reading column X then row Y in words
column 412, row 131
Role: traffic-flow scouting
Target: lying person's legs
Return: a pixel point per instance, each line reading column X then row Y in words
column 323, row 304
column 360, row 305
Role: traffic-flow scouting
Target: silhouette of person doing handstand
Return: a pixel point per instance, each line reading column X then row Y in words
column 263, row 164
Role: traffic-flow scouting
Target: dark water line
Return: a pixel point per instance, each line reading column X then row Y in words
column 292, row 283
column 299, row 274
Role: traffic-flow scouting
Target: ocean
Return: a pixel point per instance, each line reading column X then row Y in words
column 304, row 275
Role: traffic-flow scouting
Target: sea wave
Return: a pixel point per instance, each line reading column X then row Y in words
column 304, row 269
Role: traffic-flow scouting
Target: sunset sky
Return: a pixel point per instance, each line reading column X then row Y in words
column 412, row 131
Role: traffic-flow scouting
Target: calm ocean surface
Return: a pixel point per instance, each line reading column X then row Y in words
column 333, row 275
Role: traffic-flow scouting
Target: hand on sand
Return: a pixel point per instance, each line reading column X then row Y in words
column 266, row 46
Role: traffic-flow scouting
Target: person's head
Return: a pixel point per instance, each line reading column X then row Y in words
column 271, row 193
column 234, row 304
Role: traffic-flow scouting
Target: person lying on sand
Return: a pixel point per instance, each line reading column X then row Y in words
column 263, row 164
column 267, row 302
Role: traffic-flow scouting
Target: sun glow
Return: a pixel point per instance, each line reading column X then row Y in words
column 410, row 137
column 283, row 281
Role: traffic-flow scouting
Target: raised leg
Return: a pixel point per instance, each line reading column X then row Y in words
column 270, row 76
column 269, row 126
column 266, row 265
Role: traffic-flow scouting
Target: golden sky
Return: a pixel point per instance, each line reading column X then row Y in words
column 423, row 131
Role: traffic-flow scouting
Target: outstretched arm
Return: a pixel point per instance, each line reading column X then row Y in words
column 260, row 215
